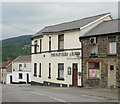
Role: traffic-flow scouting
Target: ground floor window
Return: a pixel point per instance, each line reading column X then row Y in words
column 39, row 69
column 61, row 70
column 94, row 70
column 20, row 67
column 20, row 76
column 49, row 76
column 35, row 69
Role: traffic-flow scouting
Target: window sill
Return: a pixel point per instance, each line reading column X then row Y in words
column 111, row 54
column 49, row 77
column 93, row 55
column 61, row 79
column 93, row 78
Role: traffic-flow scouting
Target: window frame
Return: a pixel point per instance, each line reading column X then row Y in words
column 35, row 69
column 19, row 67
column 49, row 43
column 59, row 41
column 35, row 46
column 40, row 69
column 40, row 45
column 109, row 41
column 88, row 76
column 60, row 78
column 49, row 73
column 96, row 46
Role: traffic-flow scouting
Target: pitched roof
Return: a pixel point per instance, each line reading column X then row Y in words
column 6, row 64
column 106, row 27
column 77, row 24
column 23, row 59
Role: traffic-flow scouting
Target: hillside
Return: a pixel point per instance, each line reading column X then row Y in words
column 14, row 47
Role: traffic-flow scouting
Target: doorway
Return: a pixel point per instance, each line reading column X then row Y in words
column 75, row 75
column 27, row 78
column 10, row 79
column 112, row 76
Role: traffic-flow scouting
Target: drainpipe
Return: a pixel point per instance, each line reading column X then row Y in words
column 82, row 61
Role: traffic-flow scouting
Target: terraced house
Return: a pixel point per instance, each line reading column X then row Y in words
column 56, row 52
column 101, row 55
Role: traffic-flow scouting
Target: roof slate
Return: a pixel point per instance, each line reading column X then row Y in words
column 77, row 24
column 23, row 59
column 6, row 64
column 106, row 27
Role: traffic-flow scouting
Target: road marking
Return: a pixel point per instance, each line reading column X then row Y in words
column 93, row 96
column 57, row 99
column 37, row 93
column 52, row 98
column 60, row 100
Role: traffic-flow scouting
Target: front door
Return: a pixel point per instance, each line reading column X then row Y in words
column 75, row 74
column 112, row 76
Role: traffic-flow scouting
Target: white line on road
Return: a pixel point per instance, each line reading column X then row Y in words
column 37, row 93
column 60, row 100
column 57, row 99
column 52, row 98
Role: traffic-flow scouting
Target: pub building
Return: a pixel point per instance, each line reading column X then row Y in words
column 56, row 52
column 101, row 55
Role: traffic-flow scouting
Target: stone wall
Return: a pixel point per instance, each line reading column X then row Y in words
column 107, row 77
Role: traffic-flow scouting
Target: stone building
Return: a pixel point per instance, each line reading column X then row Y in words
column 56, row 52
column 101, row 55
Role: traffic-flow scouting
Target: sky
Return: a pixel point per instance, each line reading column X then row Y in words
column 27, row 18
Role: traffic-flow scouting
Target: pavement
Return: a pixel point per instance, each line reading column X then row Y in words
column 28, row 93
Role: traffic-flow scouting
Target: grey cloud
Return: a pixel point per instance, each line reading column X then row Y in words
column 34, row 16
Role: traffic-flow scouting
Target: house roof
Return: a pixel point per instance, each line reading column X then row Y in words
column 77, row 24
column 6, row 64
column 23, row 59
column 106, row 27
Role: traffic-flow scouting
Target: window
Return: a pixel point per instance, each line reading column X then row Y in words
column 20, row 67
column 49, row 43
column 40, row 70
column 69, row 70
column 94, row 49
column 61, row 41
column 20, row 76
column 61, row 71
column 112, row 45
column 40, row 45
column 111, row 67
column 49, row 71
column 94, row 70
column 35, row 69
column 24, row 65
column 35, row 46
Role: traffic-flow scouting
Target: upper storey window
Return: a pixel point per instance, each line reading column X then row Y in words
column 61, row 41
column 49, row 43
column 35, row 46
column 40, row 45
column 112, row 45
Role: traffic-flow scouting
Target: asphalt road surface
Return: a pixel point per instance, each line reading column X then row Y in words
column 28, row 93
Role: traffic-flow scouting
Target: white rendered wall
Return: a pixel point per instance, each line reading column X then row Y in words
column 71, row 41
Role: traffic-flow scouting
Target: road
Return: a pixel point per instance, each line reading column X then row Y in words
column 22, row 93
